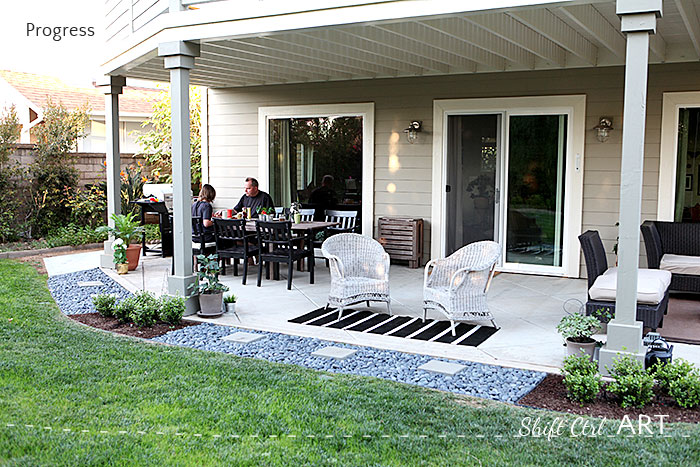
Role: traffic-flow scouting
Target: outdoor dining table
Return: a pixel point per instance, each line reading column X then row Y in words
column 308, row 228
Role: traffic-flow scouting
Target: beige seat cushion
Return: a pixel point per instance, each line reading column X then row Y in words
column 197, row 245
column 681, row 264
column 651, row 286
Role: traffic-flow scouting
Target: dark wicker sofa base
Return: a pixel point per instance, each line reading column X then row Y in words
column 651, row 315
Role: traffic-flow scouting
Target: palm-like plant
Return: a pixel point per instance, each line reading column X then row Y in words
column 126, row 227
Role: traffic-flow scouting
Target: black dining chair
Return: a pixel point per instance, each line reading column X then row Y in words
column 232, row 241
column 278, row 245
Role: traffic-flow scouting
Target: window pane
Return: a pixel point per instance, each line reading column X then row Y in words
column 687, row 207
column 305, row 150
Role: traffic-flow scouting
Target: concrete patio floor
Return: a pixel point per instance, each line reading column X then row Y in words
column 527, row 308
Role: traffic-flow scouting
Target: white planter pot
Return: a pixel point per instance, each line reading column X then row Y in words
column 210, row 304
column 231, row 307
column 575, row 348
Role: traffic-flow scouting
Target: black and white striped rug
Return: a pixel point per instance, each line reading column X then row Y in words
column 397, row 326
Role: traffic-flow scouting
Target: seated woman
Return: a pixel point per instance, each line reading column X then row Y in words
column 202, row 208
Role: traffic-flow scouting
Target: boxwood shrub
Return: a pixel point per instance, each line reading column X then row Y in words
column 633, row 385
column 581, row 378
column 104, row 304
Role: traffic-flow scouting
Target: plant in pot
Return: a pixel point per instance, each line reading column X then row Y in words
column 295, row 212
column 120, row 263
column 128, row 229
column 230, row 303
column 577, row 330
column 603, row 315
column 481, row 190
column 208, row 287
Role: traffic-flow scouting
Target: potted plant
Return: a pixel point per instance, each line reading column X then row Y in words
column 481, row 189
column 603, row 315
column 128, row 229
column 577, row 330
column 230, row 303
column 120, row 262
column 295, row 211
column 210, row 290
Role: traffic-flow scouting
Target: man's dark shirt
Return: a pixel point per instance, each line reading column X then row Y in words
column 322, row 198
column 261, row 200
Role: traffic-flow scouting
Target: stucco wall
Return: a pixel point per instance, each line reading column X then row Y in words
column 233, row 128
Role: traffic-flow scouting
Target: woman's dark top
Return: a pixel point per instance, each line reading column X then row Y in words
column 203, row 209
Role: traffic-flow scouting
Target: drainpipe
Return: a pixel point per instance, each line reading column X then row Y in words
column 112, row 86
column 624, row 331
column 179, row 59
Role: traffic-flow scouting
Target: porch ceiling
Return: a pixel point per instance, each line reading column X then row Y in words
column 555, row 36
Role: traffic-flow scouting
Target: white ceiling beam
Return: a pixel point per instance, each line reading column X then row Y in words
column 520, row 36
column 588, row 18
column 550, row 26
column 433, row 36
column 690, row 19
column 430, row 57
column 240, row 51
column 222, row 73
column 341, row 44
column 349, row 59
column 214, row 66
column 416, row 63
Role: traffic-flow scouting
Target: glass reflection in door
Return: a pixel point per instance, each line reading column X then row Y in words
column 535, row 199
column 472, row 167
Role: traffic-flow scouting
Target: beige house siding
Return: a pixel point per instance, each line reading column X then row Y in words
column 233, row 133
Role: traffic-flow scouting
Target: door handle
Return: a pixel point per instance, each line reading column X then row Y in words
column 448, row 188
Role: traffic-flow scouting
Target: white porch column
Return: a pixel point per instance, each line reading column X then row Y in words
column 624, row 331
column 179, row 59
column 112, row 87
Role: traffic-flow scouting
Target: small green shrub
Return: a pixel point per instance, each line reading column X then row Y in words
column 666, row 374
column 632, row 385
column 104, row 304
column 123, row 310
column 171, row 309
column 581, row 378
column 230, row 298
column 74, row 235
column 686, row 390
column 146, row 309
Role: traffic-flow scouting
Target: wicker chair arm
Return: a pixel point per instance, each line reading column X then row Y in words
column 387, row 265
column 335, row 264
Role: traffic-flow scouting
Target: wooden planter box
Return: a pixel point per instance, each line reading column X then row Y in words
column 402, row 238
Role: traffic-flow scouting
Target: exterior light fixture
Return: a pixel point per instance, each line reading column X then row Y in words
column 412, row 131
column 603, row 128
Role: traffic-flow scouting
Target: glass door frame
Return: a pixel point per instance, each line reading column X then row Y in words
column 364, row 110
column 575, row 107
column 668, row 152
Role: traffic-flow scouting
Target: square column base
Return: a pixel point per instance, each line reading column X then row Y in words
column 623, row 339
column 179, row 287
column 107, row 256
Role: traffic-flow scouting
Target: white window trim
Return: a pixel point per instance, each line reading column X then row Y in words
column 364, row 110
column 572, row 105
column 668, row 153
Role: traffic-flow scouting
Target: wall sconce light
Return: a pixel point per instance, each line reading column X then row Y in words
column 412, row 131
column 603, row 128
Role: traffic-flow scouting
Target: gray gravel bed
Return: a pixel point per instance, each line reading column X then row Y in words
column 477, row 379
column 73, row 299
column 486, row 381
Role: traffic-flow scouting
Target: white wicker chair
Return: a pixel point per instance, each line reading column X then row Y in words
column 457, row 285
column 359, row 271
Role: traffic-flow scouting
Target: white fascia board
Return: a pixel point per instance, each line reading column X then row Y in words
column 224, row 22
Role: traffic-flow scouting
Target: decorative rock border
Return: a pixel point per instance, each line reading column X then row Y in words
column 475, row 379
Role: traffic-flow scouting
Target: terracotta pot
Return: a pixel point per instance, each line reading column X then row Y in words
column 133, row 253
column 210, row 304
column 122, row 268
column 575, row 348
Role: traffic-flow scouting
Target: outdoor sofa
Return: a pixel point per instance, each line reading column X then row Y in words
column 674, row 247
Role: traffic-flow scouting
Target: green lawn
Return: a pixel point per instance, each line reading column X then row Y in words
column 59, row 375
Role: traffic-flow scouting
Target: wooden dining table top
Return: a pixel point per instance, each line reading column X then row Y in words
column 312, row 226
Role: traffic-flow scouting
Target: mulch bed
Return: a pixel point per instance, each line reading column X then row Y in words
column 129, row 329
column 551, row 394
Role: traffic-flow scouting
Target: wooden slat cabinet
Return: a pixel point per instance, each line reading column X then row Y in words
column 402, row 238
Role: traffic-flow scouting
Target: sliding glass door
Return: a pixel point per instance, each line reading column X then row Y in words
column 505, row 175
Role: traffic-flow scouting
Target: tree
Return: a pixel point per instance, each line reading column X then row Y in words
column 10, row 176
column 156, row 144
column 53, row 176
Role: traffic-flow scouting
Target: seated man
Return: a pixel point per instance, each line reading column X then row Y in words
column 253, row 198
